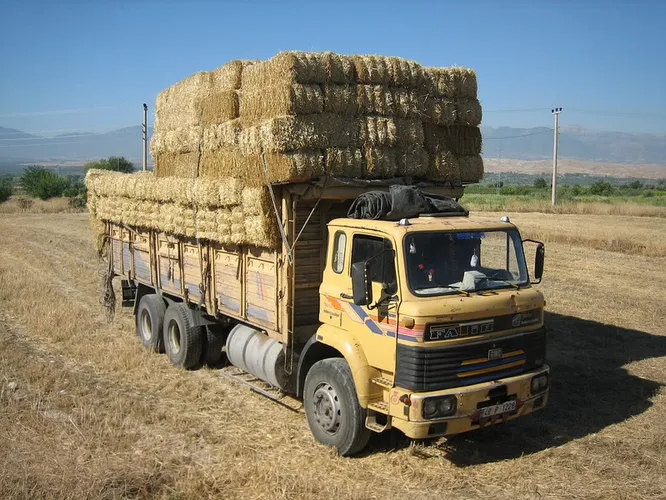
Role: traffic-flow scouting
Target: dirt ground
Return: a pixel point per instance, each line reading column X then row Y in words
column 86, row 412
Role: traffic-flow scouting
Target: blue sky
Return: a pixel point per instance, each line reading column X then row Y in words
column 71, row 66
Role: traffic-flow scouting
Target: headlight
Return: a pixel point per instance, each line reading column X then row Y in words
column 439, row 407
column 539, row 383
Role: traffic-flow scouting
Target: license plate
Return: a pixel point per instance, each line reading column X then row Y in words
column 490, row 411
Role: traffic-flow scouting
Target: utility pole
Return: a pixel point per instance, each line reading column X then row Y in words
column 556, row 132
column 144, row 132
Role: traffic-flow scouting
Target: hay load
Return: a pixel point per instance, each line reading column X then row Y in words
column 302, row 107
column 222, row 136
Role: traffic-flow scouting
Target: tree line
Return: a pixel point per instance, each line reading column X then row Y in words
column 43, row 183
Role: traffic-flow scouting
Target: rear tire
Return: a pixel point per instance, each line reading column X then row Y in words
column 334, row 414
column 149, row 321
column 182, row 340
column 215, row 339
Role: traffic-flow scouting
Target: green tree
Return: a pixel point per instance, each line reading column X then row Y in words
column 117, row 163
column 601, row 188
column 540, row 183
column 6, row 189
column 42, row 183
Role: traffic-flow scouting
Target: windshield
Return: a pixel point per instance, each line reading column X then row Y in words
column 470, row 261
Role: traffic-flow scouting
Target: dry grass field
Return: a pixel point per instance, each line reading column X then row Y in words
column 571, row 166
column 86, row 412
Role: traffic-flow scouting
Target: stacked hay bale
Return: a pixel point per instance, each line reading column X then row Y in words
column 221, row 136
column 311, row 114
column 221, row 210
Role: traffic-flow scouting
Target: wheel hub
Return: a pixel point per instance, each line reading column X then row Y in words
column 174, row 337
column 327, row 408
column 146, row 325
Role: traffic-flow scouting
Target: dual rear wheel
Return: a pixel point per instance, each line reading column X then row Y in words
column 171, row 330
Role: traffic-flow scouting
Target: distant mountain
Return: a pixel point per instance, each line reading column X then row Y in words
column 18, row 146
column 503, row 142
column 575, row 143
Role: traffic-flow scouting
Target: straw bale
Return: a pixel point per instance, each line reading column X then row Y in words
column 340, row 99
column 388, row 162
column 441, row 111
column 294, row 133
column 344, row 162
column 228, row 76
column 452, row 82
column 444, row 166
column 378, row 130
column 277, row 100
column 256, row 201
column 384, row 101
column 177, row 164
column 459, row 140
column 471, row 168
column 295, row 166
column 220, row 136
column 298, row 67
column 468, row 112
column 179, row 140
column 261, row 231
column 220, row 107
column 180, row 104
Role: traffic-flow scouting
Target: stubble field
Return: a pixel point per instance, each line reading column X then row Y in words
column 86, row 412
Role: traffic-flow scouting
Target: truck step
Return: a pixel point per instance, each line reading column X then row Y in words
column 383, row 382
column 378, row 408
column 262, row 388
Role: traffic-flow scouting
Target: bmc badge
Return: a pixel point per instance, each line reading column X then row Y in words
column 494, row 354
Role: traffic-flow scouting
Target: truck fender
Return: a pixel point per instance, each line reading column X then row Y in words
column 332, row 342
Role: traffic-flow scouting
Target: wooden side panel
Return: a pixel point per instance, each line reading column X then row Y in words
column 228, row 282
column 192, row 270
column 261, row 292
column 169, row 264
column 141, row 249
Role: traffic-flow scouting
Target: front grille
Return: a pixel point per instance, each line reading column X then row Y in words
column 424, row 369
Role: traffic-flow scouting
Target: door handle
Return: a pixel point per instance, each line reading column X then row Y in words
column 346, row 296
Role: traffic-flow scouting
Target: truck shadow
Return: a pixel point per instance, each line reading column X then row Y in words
column 590, row 390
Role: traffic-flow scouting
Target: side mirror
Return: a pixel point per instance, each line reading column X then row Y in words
column 538, row 261
column 361, row 286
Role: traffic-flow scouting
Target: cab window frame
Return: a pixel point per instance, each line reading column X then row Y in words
column 336, row 239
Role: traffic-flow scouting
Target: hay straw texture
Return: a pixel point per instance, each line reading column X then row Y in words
column 320, row 113
column 221, row 210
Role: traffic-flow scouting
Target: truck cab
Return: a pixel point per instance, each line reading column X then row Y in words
column 438, row 322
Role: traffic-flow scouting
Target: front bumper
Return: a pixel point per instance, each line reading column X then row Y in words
column 406, row 408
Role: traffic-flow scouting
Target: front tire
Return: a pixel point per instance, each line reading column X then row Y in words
column 183, row 341
column 149, row 321
column 334, row 414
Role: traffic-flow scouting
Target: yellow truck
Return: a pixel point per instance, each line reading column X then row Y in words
column 429, row 324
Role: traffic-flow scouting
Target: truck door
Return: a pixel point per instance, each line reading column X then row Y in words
column 374, row 325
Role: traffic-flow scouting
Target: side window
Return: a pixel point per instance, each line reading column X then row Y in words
column 379, row 252
column 339, row 246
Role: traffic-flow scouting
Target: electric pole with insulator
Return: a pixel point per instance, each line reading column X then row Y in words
column 145, row 137
column 556, row 132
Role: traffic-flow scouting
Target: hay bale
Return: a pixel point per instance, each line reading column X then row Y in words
column 344, row 162
column 179, row 140
column 177, row 164
column 277, row 100
column 440, row 111
column 220, row 136
column 228, row 76
column 393, row 102
column 386, row 162
column 471, row 168
column 383, row 131
column 451, row 82
column 443, row 166
column 468, row 112
column 219, row 107
column 388, row 71
column 298, row 67
column 461, row 141
column 340, row 99
column 296, row 133
column 179, row 105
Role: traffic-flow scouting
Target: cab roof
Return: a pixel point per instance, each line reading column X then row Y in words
column 425, row 223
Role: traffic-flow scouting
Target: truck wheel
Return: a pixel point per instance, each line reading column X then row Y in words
column 149, row 320
column 182, row 340
column 215, row 339
column 334, row 415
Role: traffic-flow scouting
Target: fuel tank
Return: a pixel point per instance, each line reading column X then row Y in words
column 258, row 354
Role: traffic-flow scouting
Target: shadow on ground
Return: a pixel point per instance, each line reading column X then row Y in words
column 590, row 390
